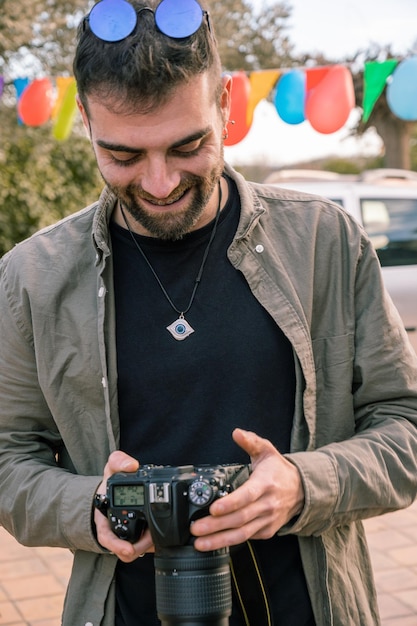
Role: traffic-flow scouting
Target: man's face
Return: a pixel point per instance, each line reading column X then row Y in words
column 164, row 165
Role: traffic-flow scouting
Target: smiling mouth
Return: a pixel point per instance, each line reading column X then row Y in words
column 166, row 203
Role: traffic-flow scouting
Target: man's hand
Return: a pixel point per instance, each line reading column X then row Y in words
column 268, row 500
column 119, row 462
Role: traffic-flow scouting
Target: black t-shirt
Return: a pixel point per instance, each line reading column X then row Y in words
column 180, row 400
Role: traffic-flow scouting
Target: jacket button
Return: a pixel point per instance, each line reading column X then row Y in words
column 259, row 248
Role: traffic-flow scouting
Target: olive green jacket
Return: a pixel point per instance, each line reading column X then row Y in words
column 354, row 437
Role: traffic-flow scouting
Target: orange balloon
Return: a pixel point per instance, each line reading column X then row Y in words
column 329, row 103
column 36, row 102
column 238, row 110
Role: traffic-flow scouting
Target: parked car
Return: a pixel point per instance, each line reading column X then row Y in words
column 385, row 202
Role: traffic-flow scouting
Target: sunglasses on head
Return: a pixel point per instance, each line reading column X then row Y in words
column 114, row 20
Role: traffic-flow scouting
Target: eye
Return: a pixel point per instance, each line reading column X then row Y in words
column 189, row 149
column 124, row 160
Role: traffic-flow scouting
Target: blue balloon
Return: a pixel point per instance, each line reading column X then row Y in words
column 402, row 90
column 290, row 97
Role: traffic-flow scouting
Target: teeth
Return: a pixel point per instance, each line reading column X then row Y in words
column 161, row 203
column 165, row 203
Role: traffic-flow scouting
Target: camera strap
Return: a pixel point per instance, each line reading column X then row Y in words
column 249, row 586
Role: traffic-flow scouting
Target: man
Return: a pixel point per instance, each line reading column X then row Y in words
column 185, row 305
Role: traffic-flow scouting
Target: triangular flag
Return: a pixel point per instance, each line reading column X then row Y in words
column 261, row 83
column 65, row 117
column 314, row 76
column 62, row 84
column 20, row 85
column 374, row 78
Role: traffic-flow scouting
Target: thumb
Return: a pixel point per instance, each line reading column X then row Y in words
column 255, row 446
column 119, row 461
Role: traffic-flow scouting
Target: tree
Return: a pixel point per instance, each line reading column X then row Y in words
column 41, row 180
column 396, row 134
column 249, row 39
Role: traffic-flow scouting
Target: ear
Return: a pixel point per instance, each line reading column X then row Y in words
column 225, row 97
column 84, row 116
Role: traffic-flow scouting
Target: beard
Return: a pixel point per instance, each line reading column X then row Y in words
column 170, row 225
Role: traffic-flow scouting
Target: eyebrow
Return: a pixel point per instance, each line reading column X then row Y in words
column 117, row 147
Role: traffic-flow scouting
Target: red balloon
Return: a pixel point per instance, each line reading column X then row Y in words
column 329, row 103
column 36, row 102
column 238, row 110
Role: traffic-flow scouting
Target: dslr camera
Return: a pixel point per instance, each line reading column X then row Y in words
column 192, row 588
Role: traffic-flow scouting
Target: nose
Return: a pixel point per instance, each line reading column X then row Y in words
column 159, row 178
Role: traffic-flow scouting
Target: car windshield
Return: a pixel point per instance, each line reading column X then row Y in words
column 391, row 224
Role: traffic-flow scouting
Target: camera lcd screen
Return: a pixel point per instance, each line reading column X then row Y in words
column 129, row 495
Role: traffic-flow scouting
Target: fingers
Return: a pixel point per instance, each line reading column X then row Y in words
column 268, row 500
column 255, row 446
column 118, row 461
column 124, row 550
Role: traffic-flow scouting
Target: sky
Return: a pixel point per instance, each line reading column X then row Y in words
column 338, row 29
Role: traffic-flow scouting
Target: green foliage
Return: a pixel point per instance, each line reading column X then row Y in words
column 249, row 39
column 42, row 180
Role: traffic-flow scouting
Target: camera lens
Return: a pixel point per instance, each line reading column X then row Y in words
column 193, row 588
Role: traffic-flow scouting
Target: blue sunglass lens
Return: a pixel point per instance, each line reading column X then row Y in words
column 178, row 18
column 112, row 20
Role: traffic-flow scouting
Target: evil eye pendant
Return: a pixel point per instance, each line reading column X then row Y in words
column 180, row 329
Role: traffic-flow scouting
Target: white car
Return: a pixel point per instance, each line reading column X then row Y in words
column 385, row 202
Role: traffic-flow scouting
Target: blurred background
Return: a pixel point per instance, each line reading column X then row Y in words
column 47, row 168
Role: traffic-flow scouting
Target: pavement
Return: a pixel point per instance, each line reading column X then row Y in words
column 33, row 580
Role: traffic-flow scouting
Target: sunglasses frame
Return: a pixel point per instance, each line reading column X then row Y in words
column 130, row 18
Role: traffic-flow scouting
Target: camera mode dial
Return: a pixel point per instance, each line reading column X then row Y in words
column 200, row 492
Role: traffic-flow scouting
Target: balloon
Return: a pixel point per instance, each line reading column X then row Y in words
column 66, row 114
column 402, row 90
column 329, row 104
column 36, row 102
column 238, row 111
column 290, row 96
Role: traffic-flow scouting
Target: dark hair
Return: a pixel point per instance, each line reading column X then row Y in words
column 145, row 67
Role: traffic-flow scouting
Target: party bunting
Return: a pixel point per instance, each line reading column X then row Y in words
column 261, row 84
column 65, row 117
column 322, row 96
column 375, row 78
column 20, row 85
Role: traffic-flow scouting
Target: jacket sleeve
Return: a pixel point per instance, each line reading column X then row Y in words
column 41, row 503
column 375, row 470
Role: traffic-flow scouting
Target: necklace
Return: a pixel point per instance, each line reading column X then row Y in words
column 180, row 329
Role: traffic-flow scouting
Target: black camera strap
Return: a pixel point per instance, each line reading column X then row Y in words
column 249, row 586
